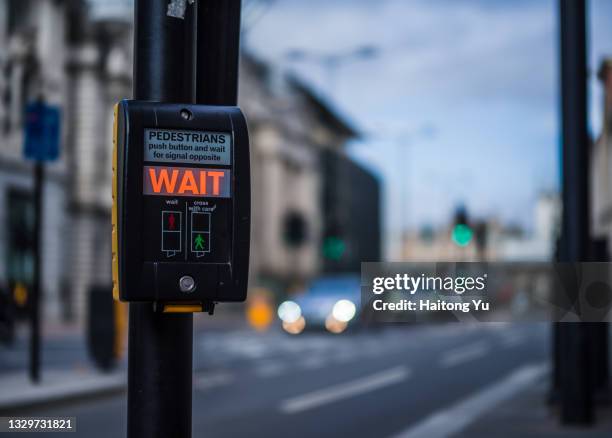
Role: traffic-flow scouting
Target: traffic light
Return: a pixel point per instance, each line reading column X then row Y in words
column 462, row 233
column 334, row 248
column 295, row 229
column 480, row 235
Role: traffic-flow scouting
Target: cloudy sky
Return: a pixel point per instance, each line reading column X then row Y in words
column 463, row 92
column 457, row 106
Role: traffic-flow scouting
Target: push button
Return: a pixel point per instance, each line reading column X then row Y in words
column 187, row 284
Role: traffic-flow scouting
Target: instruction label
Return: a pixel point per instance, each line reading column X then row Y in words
column 194, row 147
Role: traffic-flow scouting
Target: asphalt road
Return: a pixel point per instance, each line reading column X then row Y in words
column 57, row 353
column 366, row 384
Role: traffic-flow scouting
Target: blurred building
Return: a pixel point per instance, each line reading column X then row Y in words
column 351, row 215
column 55, row 52
column 99, row 70
column 54, row 49
column 539, row 243
column 35, row 36
column 601, row 164
column 295, row 137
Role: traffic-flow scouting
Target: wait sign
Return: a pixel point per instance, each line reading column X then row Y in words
column 186, row 181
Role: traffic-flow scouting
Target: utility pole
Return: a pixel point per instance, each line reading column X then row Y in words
column 41, row 144
column 599, row 338
column 218, row 47
column 161, row 345
column 35, row 296
column 185, row 53
column 573, row 355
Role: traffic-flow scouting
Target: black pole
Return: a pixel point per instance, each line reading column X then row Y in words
column 160, row 350
column 218, row 52
column 599, row 336
column 35, row 294
column 574, row 372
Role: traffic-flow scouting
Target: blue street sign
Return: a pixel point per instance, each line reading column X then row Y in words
column 41, row 132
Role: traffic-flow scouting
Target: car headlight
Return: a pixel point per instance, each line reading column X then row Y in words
column 344, row 310
column 295, row 328
column 289, row 312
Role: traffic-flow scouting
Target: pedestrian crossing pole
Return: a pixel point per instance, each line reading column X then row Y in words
column 218, row 46
column 184, row 52
column 160, row 345
column 573, row 346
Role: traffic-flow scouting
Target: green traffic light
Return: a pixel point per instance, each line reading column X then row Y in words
column 333, row 248
column 462, row 234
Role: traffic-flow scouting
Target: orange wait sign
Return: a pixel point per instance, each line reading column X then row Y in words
column 186, row 181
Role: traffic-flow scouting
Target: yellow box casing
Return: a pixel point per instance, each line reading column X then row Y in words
column 115, row 223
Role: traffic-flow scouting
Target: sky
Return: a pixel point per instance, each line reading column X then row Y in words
column 457, row 106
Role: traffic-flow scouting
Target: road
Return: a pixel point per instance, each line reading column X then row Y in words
column 57, row 353
column 357, row 384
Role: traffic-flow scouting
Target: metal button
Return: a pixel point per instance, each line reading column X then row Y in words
column 187, row 284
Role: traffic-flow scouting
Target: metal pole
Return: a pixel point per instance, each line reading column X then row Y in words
column 35, row 295
column 160, row 346
column 218, row 48
column 599, row 335
column 575, row 390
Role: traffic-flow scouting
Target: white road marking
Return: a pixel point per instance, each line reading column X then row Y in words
column 344, row 390
column 205, row 381
column 258, row 347
column 464, row 354
column 456, row 418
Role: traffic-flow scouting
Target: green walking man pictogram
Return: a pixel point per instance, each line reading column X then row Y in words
column 199, row 243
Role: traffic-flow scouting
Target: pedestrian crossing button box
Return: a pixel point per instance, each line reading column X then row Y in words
column 181, row 205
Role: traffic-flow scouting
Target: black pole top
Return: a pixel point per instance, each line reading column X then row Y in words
column 164, row 55
column 218, row 47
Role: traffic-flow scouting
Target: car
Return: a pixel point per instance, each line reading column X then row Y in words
column 330, row 303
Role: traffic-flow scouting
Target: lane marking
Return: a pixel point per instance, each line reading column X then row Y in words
column 456, row 418
column 332, row 394
column 206, row 381
column 464, row 354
